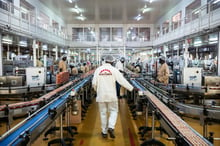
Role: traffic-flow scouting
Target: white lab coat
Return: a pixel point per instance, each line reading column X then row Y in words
column 119, row 65
column 104, row 82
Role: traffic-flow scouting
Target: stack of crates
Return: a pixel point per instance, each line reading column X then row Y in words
column 62, row 78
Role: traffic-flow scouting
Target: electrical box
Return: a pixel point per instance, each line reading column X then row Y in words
column 35, row 76
column 192, row 76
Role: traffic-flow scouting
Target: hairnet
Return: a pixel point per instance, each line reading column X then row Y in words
column 109, row 58
column 162, row 58
column 122, row 59
column 64, row 56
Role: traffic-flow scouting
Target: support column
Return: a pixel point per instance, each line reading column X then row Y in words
column 186, row 53
column 8, row 52
column 97, row 53
column 84, row 56
column 19, row 51
column 218, row 60
column 124, row 51
column 49, row 50
column 56, row 57
column 79, row 57
column 1, row 56
column 34, row 46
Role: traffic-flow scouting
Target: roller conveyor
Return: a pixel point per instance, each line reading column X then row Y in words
column 173, row 124
column 25, row 89
column 29, row 129
column 22, row 108
column 189, row 89
column 195, row 110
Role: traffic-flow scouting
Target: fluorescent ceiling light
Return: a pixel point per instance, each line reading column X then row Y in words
column 216, row 1
column 138, row 17
column 144, row 9
column 24, row 10
column 214, row 42
column 81, row 17
column 23, row 43
column 44, row 47
column 76, row 9
column 70, row 1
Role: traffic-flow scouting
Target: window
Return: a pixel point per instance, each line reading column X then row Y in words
column 77, row 34
column 89, row 34
column 192, row 11
column 176, row 20
column 166, row 26
column 117, row 34
column 104, row 34
column 132, row 34
column 214, row 4
column 144, row 34
column 43, row 20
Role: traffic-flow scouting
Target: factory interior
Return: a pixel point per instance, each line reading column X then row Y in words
column 52, row 50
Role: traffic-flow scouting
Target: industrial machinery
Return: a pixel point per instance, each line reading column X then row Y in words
column 50, row 107
column 172, row 124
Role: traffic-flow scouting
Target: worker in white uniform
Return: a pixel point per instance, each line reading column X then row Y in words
column 104, row 83
column 120, row 66
column 163, row 72
column 63, row 64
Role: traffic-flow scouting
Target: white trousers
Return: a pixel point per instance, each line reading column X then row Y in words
column 108, row 115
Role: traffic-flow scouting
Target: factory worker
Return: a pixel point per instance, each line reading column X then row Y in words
column 63, row 64
column 104, row 83
column 120, row 66
column 163, row 72
column 39, row 63
column 74, row 71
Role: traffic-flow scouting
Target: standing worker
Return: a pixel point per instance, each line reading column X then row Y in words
column 63, row 64
column 104, row 83
column 120, row 66
column 163, row 72
column 39, row 62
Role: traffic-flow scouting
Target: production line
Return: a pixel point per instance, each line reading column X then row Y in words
column 23, row 108
column 175, row 127
column 29, row 129
column 212, row 112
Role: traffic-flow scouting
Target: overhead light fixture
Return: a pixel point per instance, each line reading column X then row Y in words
column 138, row 17
column 81, row 17
column 144, row 9
column 70, row 1
column 76, row 9
column 7, row 39
column 216, row 1
column 23, row 43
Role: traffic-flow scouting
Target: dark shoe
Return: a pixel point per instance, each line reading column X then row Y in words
column 111, row 132
column 104, row 135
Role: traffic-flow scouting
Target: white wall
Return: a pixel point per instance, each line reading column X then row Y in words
column 53, row 16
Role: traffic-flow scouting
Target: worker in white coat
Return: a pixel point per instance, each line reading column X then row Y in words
column 120, row 66
column 104, row 83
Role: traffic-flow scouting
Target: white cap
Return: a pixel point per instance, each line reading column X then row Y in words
column 162, row 58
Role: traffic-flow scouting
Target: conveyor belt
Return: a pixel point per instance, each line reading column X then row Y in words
column 22, row 108
column 173, row 124
column 31, row 127
column 25, row 89
column 195, row 110
column 189, row 89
